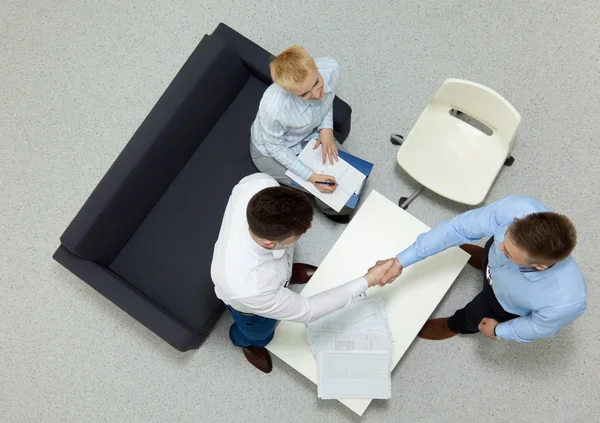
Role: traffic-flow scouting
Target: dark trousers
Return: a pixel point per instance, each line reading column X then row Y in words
column 485, row 304
column 250, row 329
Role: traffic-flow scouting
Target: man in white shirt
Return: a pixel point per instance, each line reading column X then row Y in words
column 253, row 265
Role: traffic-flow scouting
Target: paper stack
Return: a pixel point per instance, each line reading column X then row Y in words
column 353, row 350
column 349, row 179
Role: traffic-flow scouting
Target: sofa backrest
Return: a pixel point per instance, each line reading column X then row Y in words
column 255, row 57
column 200, row 93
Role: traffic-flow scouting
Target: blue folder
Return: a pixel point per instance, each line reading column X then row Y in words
column 362, row 166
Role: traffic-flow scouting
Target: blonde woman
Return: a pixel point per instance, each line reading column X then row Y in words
column 296, row 108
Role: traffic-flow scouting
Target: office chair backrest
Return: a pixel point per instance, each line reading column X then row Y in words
column 481, row 103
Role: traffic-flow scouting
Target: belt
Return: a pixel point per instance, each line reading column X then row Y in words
column 242, row 313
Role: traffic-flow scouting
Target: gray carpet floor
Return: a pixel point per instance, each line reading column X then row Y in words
column 77, row 79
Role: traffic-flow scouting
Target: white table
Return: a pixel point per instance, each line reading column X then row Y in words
column 380, row 229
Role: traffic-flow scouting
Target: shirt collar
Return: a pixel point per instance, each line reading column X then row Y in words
column 302, row 105
column 277, row 254
column 253, row 245
column 541, row 274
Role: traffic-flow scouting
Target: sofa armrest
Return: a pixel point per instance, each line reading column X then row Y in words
column 134, row 302
column 257, row 60
column 342, row 118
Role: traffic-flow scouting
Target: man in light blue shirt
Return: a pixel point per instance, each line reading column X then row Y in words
column 296, row 108
column 532, row 286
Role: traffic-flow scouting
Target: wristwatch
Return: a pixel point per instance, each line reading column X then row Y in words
column 496, row 336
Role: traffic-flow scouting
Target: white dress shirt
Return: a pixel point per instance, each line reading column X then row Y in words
column 253, row 279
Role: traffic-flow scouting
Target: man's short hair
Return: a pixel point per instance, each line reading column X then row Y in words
column 547, row 237
column 291, row 67
column 277, row 213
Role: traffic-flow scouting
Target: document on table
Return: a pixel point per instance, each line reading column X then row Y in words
column 348, row 178
column 342, row 341
column 361, row 325
column 356, row 374
column 363, row 315
column 349, row 346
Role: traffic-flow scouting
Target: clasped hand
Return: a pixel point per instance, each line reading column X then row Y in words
column 393, row 270
column 378, row 274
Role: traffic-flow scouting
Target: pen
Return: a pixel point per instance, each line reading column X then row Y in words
column 325, row 183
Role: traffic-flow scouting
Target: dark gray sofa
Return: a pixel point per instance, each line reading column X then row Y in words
column 145, row 236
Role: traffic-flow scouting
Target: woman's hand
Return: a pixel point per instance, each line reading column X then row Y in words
column 327, row 141
column 326, row 183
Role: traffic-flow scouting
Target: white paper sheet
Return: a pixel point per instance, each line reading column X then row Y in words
column 348, row 178
column 367, row 315
column 343, row 341
column 361, row 326
column 354, row 374
column 358, row 310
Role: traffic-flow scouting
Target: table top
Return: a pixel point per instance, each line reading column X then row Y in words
column 380, row 229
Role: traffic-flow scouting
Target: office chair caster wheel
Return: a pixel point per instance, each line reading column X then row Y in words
column 401, row 202
column 396, row 139
column 509, row 161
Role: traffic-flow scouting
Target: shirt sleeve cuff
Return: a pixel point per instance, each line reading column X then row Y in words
column 358, row 286
column 503, row 331
column 408, row 257
column 306, row 174
column 302, row 170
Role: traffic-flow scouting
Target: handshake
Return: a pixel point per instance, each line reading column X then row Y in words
column 384, row 272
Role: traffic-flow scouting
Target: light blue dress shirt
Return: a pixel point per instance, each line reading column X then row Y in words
column 546, row 300
column 284, row 121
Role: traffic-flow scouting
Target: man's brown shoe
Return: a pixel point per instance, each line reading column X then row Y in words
column 301, row 273
column 476, row 253
column 436, row 330
column 259, row 357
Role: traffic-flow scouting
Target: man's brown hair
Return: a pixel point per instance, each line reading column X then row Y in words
column 546, row 236
column 277, row 213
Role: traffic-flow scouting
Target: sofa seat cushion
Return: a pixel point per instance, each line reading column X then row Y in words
column 168, row 257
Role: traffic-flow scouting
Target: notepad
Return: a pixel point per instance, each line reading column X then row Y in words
column 348, row 178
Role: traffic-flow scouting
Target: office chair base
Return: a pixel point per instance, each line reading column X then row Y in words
column 404, row 202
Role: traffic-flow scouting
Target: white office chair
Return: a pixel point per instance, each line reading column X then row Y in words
column 459, row 143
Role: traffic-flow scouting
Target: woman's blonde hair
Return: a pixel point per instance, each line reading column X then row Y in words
column 291, row 67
